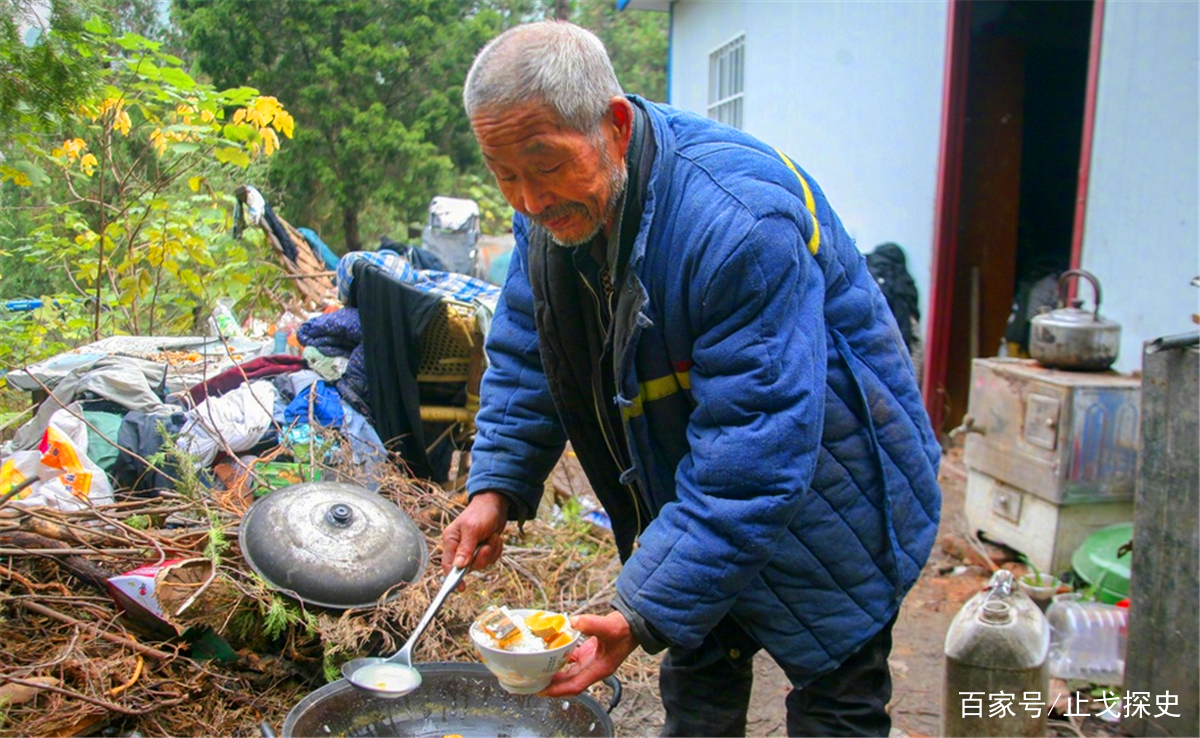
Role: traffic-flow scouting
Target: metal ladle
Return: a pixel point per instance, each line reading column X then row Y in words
column 395, row 676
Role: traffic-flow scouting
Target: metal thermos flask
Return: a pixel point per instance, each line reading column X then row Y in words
column 996, row 679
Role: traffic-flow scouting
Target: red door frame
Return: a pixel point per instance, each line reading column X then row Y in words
column 1089, row 120
column 945, row 219
column 949, row 188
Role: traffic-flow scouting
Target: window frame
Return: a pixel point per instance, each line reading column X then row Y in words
column 727, row 81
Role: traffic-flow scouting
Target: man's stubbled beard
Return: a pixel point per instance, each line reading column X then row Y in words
column 618, row 179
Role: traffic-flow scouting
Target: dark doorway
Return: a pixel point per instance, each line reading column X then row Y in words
column 1018, row 73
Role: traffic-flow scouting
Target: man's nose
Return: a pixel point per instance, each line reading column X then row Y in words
column 534, row 197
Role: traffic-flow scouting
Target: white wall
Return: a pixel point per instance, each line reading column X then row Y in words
column 851, row 90
column 1140, row 233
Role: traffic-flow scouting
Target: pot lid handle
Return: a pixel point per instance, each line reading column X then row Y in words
column 339, row 514
column 1062, row 290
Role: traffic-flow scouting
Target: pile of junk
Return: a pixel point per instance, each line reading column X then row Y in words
column 1089, row 474
column 196, row 533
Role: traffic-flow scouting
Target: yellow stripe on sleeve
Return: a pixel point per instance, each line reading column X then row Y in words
column 656, row 389
column 814, row 242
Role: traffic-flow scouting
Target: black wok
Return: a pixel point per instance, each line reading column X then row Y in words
column 454, row 698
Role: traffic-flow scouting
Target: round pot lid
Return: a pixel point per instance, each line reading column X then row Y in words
column 332, row 544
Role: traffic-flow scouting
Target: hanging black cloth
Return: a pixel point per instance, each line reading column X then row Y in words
column 888, row 265
column 393, row 316
column 280, row 233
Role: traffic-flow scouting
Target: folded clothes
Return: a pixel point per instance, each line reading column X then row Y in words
column 331, row 368
column 341, row 329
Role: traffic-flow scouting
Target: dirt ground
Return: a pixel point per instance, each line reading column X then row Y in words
column 918, row 638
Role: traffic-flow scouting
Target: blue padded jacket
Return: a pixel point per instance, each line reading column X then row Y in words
column 784, row 469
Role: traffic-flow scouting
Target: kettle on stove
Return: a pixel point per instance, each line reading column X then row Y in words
column 1072, row 338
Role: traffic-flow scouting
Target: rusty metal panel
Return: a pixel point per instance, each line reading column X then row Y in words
column 1041, row 421
column 1045, row 532
column 1068, row 437
column 1164, row 615
column 1032, row 473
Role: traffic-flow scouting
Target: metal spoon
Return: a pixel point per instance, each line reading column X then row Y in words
column 395, row 676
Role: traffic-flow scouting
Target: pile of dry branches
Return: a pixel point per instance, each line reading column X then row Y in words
column 72, row 663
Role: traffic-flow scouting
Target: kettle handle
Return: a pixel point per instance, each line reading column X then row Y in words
column 1062, row 288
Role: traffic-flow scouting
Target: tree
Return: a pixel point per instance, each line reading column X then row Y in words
column 128, row 198
column 636, row 42
column 375, row 86
column 147, row 18
column 47, row 69
column 41, row 74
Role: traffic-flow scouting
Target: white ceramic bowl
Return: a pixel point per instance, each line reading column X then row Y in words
column 521, row 672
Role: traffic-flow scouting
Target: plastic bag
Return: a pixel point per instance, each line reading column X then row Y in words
column 236, row 419
column 69, row 479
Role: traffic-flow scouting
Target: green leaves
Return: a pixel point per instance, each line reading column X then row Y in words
column 231, row 155
column 636, row 43
column 217, row 543
column 143, row 67
column 238, row 96
column 130, row 41
column 30, row 174
column 97, row 25
column 126, row 198
column 239, row 132
column 178, row 78
column 40, row 83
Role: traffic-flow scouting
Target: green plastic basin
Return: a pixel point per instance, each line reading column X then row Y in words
column 1096, row 562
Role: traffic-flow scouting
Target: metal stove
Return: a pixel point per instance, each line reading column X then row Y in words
column 1051, row 455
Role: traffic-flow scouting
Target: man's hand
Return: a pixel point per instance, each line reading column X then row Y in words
column 481, row 523
column 611, row 643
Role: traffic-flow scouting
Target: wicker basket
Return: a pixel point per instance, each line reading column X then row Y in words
column 447, row 343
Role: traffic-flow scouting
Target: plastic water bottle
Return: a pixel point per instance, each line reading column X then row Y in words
column 1087, row 640
column 226, row 323
column 996, row 650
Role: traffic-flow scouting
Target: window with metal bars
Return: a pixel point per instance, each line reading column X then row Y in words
column 727, row 81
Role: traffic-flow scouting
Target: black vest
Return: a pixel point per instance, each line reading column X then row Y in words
column 576, row 347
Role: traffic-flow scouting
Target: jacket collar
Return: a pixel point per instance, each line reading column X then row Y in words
column 658, row 176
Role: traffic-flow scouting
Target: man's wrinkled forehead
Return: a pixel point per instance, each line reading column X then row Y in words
column 528, row 126
column 533, row 148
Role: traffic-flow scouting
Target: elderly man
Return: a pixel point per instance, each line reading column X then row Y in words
column 685, row 307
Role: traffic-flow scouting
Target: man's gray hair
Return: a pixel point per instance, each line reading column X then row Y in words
column 553, row 62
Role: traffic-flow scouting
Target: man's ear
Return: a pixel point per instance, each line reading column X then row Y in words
column 620, row 112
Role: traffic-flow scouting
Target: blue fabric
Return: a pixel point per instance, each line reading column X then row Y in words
column 327, row 406
column 368, row 450
column 391, row 263
column 333, row 334
column 457, row 286
column 445, row 284
column 320, row 248
column 355, row 378
column 419, row 258
column 780, row 444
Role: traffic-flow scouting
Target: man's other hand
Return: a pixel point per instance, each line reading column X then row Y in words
column 610, row 644
column 480, row 524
